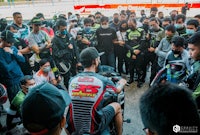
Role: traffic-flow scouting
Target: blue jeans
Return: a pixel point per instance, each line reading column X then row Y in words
column 108, row 59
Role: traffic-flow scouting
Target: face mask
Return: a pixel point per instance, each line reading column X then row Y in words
column 152, row 15
column 105, row 26
column 116, row 20
column 123, row 29
column 73, row 23
column 164, row 27
column 47, row 69
column 176, row 53
column 28, row 88
column 154, row 28
column 178, row 26
column 87, row 29
column 169, row 38
column 98, row 20
column 145, row 26
column 64, row 32
column 132, row 28
column 189, row 31
column 173, row 16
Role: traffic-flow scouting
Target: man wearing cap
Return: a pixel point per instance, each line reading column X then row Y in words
column 10, row 70
column 44, row 110
column 46, row 25
column 90, row 86
column 39, row 41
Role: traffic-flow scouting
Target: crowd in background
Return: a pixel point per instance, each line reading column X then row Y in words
column 132, row 44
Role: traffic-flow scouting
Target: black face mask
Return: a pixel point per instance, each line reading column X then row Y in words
column 123, row 29
column 132, row 28
column 176, row 52
column 152, row 15
column 164, row 27
column 146, row 27
column 173, row 16
column 116, row 20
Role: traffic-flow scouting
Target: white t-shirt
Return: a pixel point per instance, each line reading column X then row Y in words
column 121, row 36
column 40, row 78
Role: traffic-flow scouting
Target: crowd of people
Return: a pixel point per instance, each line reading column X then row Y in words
column 56, row 51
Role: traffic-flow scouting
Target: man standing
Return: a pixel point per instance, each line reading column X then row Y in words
column 135, row 45
column 19, row 29
column 21, row 32
column 87, row 36
column 106, row 38
column 165, row 46
column 185, row 8
column 179, row 24
column 64, row 51
column 39, row 41
column 116, row 22
column 154, row 41
column 10, row 70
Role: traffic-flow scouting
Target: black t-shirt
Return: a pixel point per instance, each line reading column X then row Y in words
column 105, row 39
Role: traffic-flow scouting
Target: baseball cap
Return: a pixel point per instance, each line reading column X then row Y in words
column 43, row 108
column 8, row 36
column 40, row 15
column 89, row 54
column 36, row 20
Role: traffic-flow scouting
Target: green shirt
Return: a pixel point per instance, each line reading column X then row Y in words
column 196, row 68
column 17, row 101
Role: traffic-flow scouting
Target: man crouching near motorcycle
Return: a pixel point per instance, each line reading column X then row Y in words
column 91, row 86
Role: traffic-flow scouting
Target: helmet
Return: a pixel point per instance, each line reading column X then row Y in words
column 3, row 94
column 176, row 71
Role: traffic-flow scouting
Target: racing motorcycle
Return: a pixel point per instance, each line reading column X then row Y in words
column 83, row 103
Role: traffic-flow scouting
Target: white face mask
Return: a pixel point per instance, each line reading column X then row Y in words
column 105, row 26
column 30, row 87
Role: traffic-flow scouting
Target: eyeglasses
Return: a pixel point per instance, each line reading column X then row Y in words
column 147, row 131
